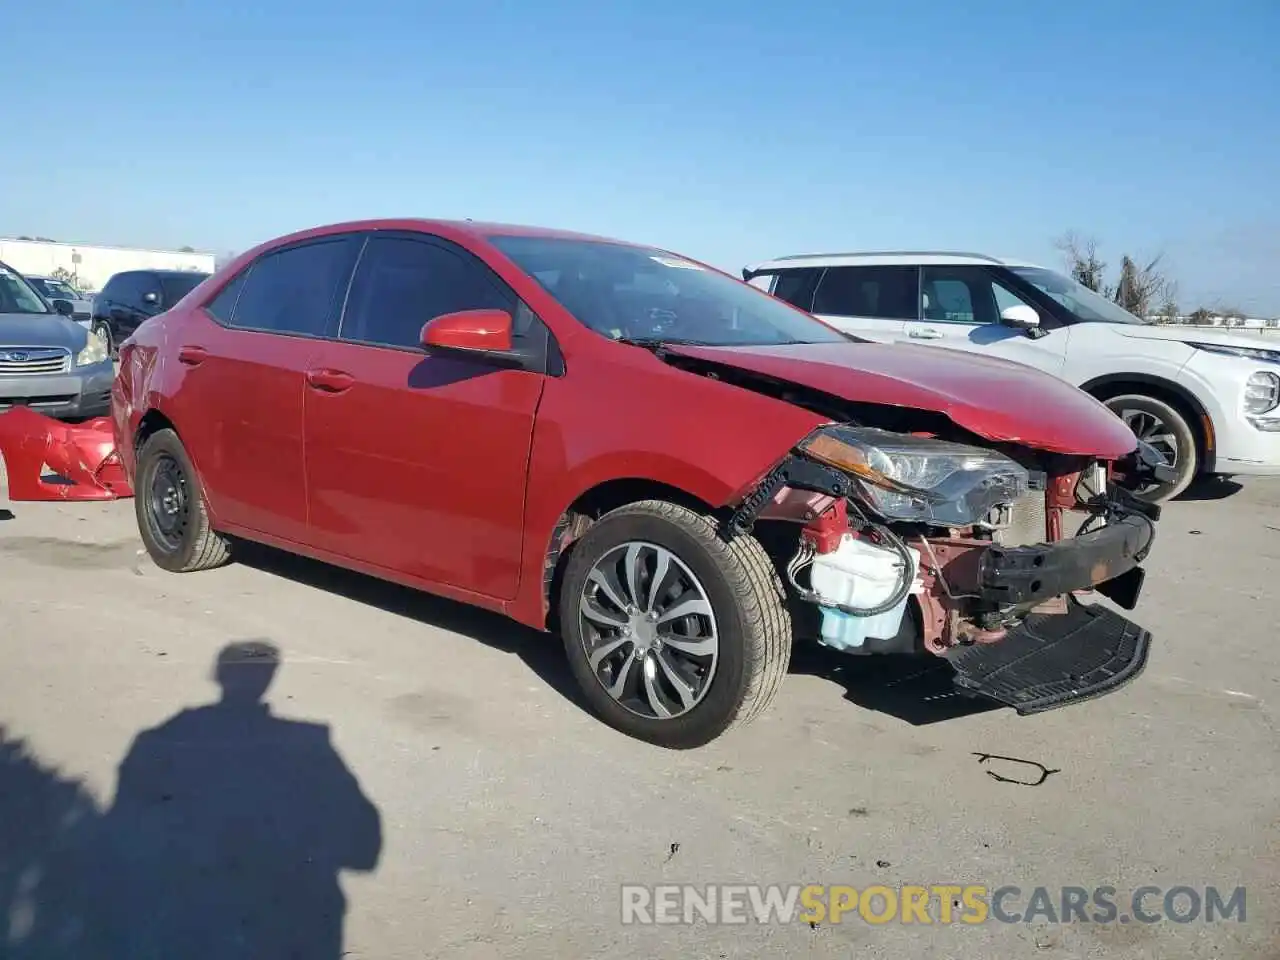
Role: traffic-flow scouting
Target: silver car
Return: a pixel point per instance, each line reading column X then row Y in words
column 48, row 362
column 54, row 289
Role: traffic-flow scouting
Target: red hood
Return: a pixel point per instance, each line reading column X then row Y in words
column 996, row 399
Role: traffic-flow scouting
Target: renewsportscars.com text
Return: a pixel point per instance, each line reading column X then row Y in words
column 920, row 904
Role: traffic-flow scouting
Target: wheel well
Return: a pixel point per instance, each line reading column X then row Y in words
column 589, row 507
column 152, row 421
column 1195, row 415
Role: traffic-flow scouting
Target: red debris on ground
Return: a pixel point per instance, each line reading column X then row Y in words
column 47, row 459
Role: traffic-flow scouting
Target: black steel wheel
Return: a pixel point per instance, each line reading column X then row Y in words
column 173, row 520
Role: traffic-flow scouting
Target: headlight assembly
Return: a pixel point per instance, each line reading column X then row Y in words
column 908, row 478
column 1230, row 350
column 95, row 351
column 1261, row 393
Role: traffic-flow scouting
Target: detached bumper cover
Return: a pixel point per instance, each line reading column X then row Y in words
column 1106, row 559
column 81, row 458
column 1052, row 660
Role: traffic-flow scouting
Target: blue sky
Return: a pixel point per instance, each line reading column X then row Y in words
column 729, row 132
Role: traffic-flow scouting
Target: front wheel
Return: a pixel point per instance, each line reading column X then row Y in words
column 1165, row 429
column 674, row 634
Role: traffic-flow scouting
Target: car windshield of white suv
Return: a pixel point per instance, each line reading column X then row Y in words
column 16, row 295
column 1083, row 303
column 643, row 294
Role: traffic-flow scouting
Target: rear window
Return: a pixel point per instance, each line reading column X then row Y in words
column 174, row 288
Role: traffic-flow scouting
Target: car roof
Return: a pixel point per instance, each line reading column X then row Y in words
column 925, row 258
column 150, row 272
column 478, row 230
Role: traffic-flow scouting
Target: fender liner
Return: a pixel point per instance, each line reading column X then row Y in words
column 1204, row 428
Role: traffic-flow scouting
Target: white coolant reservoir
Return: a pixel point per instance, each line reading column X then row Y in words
column 863, row 575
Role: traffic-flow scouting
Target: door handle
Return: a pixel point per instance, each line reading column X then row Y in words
column 329, row 381
column 192, row 356
column 925, row 334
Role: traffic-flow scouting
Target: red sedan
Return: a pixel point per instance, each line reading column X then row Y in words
column 671, row 469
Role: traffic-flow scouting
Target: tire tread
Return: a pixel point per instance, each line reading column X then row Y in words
column 209, row 549
column 754, row 580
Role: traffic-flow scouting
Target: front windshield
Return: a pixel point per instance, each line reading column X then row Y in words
column 16, row 295
column 56, row 289
column 639, row 293
column 1083, row 303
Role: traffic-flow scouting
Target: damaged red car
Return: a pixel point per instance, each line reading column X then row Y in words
column 675, row 472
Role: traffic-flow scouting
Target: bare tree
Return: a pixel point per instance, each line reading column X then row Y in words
column 1138, row 289
column 65, row 275
column 1168, row 312
column 1081, row 254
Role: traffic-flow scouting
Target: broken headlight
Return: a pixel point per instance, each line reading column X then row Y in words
column 919, row 479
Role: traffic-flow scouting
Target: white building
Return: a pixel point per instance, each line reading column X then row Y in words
column 93, row 266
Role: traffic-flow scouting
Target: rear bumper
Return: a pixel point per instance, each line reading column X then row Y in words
column 46, row 459
column 82, row 394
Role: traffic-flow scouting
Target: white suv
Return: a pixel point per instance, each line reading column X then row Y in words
column 1207, row 399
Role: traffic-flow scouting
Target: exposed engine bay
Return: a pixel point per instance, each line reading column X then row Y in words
column 911, row 543
column 897, row 530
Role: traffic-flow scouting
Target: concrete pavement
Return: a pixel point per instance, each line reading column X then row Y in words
column 507, row 818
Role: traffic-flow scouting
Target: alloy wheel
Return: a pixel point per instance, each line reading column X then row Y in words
column 1149, row 427
column 648, row 629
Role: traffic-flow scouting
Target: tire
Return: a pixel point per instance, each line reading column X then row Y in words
column 1151, row 418
column 746, row 616
column 103, row 332
column 190, row 543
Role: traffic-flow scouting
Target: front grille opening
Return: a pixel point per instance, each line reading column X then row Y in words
column 36, row 402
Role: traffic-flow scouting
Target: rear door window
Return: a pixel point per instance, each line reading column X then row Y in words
column 889, row 292
column 298, row 290
column 223, row 305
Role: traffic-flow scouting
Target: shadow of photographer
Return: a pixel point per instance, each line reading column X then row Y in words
column 226, row 837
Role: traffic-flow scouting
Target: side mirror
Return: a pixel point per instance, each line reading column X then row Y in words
column 63, row 307
column 479, row 333
column 151, row 298
column 1020, row 317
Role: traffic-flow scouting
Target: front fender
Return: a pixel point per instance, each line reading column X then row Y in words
column 644, row 422
column 46, row 459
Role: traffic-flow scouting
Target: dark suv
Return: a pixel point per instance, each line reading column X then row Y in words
column 135, row 295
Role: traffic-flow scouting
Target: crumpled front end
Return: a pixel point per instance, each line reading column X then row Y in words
column 49, row 460
column 914, row 544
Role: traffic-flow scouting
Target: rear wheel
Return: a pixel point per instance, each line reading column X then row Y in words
column 1167, row 430
column 674, row 634
column 172, row 518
